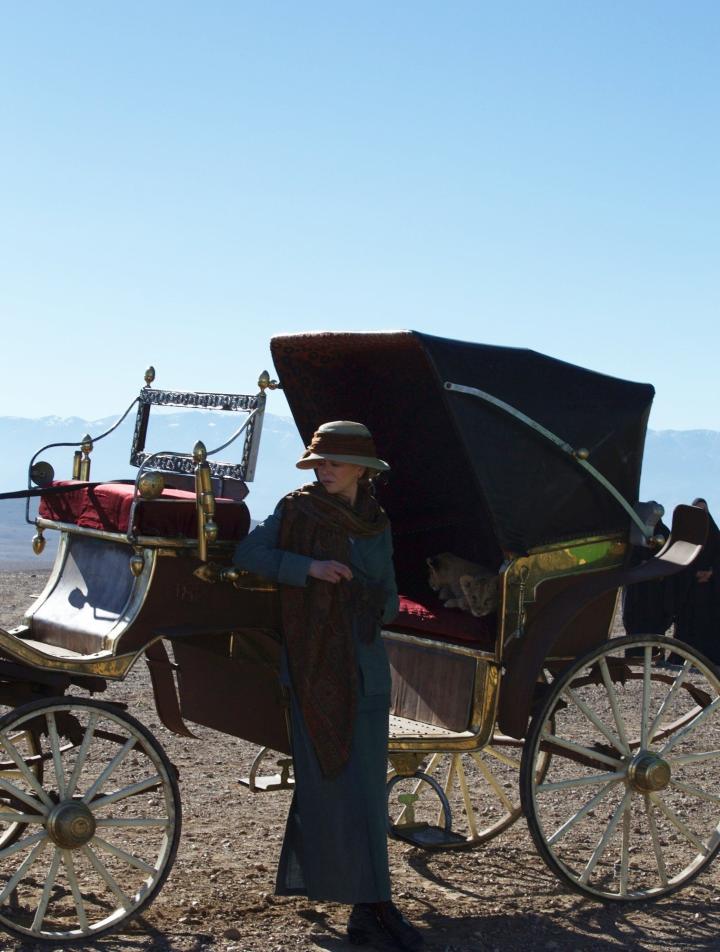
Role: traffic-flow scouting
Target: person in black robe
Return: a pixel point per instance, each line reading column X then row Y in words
column 697, row 595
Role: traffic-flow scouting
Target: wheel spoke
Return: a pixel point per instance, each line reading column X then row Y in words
column 579, row 781
column 612, row 697
column 586, row 752
column 500, row 756
column 82, row 754
column 693, row 758
column 694, row 791
column 594, row 719
column 55, row 750
column 693, row 725
column 47, row 889
column 128, row 858
column 582, row 812
column 22, row 869
column 19, row 794
column 469, row 810
column 657, row 848
column 644, row 714
column 134, row 788
column 667, row 700
column 21, row 818
column 22, row 844
column 625, row 850
column 452, row 768
column 103, row 873
column 492, row 781
column 27, row 774
column 111, row 767
column 605, row 839
column 75, row 890
column 679, row 825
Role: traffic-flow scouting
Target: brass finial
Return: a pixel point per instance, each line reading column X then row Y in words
column 199, row 452
column 265, row 383
column 582, row 453
column 38, row 542
column 149, row 376
column 151, row 485
column 87, row 444
column 137, row 564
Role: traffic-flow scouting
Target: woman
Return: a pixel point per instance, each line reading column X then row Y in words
column 329, row 547
column 697, row 621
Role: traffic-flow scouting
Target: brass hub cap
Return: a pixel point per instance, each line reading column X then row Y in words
column 71, row 825
column 649, row 773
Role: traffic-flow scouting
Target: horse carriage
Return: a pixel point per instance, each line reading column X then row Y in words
column 609, row 745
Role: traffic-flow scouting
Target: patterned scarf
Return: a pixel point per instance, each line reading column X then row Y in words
column 317, row 619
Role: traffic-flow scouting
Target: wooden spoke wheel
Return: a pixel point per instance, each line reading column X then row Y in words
column 629, row 807
column 26, row 744
column 98, row 826
column 481, row 788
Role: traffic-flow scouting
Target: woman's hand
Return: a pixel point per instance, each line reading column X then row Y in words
column 329, row 571
column 704, row 575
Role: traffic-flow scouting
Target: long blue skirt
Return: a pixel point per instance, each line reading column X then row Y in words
column 335, row 846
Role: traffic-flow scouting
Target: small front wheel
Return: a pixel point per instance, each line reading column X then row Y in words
column 628, row 808
column 100, row 824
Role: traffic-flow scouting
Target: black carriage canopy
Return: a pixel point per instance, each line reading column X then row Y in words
column 467, row 475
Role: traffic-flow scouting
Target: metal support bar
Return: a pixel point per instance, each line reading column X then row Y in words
column 578, row 455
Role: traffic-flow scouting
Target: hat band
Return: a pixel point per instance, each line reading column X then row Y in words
column 334, row 444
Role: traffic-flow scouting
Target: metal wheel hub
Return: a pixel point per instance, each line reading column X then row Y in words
column 649, row 773
column 71, row 825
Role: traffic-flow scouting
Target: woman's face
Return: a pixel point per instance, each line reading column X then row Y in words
column 340, row 479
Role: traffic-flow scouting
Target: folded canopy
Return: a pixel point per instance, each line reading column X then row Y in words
column 460, row 460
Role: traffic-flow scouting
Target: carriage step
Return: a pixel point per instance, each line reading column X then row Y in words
column 426, row 836
column 274, row 781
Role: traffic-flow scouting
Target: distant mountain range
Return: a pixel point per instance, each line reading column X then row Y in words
column 678, row 465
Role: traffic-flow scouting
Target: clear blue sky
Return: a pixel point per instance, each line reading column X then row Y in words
column 179, row 181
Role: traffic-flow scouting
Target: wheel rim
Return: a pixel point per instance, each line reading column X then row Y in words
column 98, row 831
column 481, row 787
column 629, row 807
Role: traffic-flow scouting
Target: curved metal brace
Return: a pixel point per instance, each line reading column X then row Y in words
column 50, row 446
column 575, row 454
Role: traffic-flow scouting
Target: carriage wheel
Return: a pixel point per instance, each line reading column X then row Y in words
column 629, row 807
column 99, row 828
column 480, row 787
column 26, row 743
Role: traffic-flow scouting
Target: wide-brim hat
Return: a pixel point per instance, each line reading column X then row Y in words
column 342, row 441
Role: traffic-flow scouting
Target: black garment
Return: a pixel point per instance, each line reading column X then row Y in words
column 697, row 618
column 648, row 607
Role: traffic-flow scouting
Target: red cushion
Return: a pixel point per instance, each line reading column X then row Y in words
column 107, row 507
column 446, row 624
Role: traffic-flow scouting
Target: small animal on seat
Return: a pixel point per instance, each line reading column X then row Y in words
column 481, row 593
column 462, row 584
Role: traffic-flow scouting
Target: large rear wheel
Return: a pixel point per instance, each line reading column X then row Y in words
column 629, row 807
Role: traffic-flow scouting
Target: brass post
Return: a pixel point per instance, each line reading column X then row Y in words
column 205, row 501
column 77, row 460
column 87, row 447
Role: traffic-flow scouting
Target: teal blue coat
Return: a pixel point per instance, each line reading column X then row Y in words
column 335, row 846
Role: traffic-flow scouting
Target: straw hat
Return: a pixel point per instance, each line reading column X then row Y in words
column 342, row 441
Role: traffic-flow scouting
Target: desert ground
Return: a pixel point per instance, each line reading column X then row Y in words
column 219, row 896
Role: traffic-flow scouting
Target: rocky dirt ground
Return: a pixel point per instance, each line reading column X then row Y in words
column 220, row 891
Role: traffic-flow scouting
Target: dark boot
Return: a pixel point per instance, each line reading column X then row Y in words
column 367, row 920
